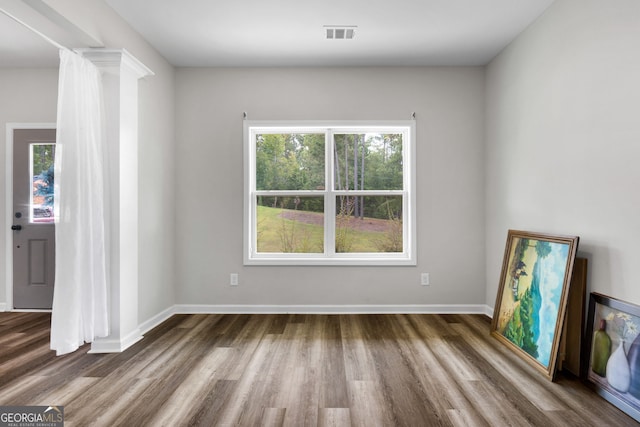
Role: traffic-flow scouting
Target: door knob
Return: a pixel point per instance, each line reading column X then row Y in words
column 16, row 227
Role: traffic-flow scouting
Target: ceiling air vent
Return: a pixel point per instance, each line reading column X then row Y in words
column 340, row 32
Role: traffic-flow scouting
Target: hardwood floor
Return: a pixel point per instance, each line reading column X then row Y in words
column 295, row 370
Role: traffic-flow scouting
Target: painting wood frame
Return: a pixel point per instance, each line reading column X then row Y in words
column 532, row 296
column 621, row 327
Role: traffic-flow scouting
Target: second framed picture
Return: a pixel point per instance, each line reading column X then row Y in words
column 532, row 296
column 612, row 352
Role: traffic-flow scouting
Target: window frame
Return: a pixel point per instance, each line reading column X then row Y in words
column 329, row 257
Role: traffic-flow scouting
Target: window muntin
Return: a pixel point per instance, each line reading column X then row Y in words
column 363, row 172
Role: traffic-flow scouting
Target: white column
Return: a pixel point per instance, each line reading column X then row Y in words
column 120, row 73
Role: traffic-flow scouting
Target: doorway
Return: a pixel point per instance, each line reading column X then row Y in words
column 32, row 218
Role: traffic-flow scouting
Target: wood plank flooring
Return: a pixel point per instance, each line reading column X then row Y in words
column 295, row 370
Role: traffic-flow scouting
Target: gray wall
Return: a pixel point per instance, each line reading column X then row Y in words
column 563, row 139
column 545, row 138
column 28, row 96
column 31, row 96
column 449, row 105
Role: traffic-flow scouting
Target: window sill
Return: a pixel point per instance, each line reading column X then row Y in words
column 356, row 260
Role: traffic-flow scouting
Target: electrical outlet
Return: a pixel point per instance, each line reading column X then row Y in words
column 424, row 279
column 233, row 279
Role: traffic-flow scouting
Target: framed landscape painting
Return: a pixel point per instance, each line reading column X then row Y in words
column 532, row 296
column 612, row 352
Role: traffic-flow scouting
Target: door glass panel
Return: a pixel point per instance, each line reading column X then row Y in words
column 41, row 204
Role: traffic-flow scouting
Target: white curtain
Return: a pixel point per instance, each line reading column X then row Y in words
column 80, row 300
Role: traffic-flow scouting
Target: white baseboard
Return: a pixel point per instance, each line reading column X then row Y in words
column 107, row 345
column 156, row 320
column 104, row 345
column 488, row 311
column 5, row 307
column 331, row 309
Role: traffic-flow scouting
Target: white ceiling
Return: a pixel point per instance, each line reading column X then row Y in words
column 290, row 32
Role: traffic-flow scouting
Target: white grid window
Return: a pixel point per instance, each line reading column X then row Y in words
column 334, row 193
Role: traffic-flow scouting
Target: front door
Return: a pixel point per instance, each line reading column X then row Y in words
column 33, row 220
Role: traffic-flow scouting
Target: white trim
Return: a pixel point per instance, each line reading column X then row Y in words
column 156, row 320
column 488, row 311
column 330, row 309
column 10, row 127
column 115, row 346
column 115, row 58
column 165, row 315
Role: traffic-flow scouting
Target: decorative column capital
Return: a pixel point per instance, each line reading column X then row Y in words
column 111, row 58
